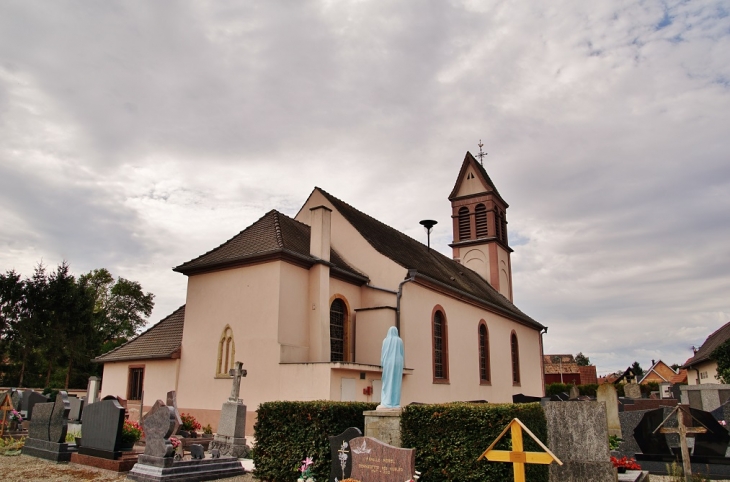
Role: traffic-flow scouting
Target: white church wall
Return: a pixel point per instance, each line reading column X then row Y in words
column 293, row 334
column 160, row 376
column 462, row 321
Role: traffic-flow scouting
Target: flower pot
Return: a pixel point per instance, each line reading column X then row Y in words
column 78, row 441
column 13, row 425
column 621, row 470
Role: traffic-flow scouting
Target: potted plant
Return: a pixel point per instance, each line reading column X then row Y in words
column 190, row 424
column 14, row 420
column 623, row 464
column 306, row 470
column 131, row 433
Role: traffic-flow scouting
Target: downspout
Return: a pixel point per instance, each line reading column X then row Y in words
column 542, row 359
column 411, row 277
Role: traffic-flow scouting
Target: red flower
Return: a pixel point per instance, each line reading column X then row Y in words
column 627, row 463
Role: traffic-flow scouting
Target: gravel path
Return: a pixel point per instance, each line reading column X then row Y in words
column 21, row 468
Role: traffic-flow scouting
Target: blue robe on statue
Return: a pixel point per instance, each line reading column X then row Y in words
column 391, row 359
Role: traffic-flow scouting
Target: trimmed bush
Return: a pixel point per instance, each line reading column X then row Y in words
column 287, row 432
column 449, row 438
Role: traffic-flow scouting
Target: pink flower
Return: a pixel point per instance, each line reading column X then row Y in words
column 308, row 461
column 303, row 468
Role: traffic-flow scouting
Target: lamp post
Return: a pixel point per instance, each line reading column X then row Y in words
column 428, row 225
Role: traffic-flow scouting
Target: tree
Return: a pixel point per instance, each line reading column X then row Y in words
column 582, row 360
column 638, row 371
column 722, row 356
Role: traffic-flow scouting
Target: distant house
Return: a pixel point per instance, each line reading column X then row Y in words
column 564, row 369
column 659, row 372
column 701, row 368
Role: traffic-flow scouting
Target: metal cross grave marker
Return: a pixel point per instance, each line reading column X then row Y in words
column 683, row 417
column 7, row 406
column 518, row 456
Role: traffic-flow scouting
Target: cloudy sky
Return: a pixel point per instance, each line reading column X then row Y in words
column 137, row 135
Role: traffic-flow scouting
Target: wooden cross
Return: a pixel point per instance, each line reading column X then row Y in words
column 518, row 456
column 683, row 416
column 7, row 406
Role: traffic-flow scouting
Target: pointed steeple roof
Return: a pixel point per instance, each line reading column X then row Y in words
column 481, row 173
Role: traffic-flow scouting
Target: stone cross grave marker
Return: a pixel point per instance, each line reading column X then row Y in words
column 341, row 467
column 158, row 426
column 517, row 456
column 102, row 429
column 574, row 392
column 683, row 417
column 237, row 373
column 6, row 406
column 374, row 461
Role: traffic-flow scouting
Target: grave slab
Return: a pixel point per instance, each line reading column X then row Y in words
column 48, row 450
column 158, row 469
column 375, row 461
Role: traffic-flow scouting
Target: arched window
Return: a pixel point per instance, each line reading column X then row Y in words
column 515, row 359
column 226, row 352
column 483, row 353
column 440, row 347
column 338, row 323
column 480, row 214
column 464, row 224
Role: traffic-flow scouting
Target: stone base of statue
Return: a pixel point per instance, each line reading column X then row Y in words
column 384, row 425
column 155, row 469
column 231, row 436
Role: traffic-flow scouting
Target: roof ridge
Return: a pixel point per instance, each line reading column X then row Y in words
column 226, row 241
column 148, row 330
column 277, row 229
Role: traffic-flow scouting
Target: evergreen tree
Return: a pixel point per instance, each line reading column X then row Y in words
column 582, row 360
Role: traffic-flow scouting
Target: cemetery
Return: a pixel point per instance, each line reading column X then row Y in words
column 566, row 437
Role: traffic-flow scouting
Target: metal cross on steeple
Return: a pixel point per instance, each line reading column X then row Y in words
column 481, row 154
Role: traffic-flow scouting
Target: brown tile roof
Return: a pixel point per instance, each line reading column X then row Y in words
column 680, row 377
column 430, row 264
column 162, row 340
column 711, row 344
column 274, row 234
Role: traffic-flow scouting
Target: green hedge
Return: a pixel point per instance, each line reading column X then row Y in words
column 449, row 438
column 287, row 432
column 555, row 388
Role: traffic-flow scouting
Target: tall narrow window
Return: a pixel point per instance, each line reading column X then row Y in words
column 136, row 383
column 504, row 228
column 515, row 359
column 440, row 348
column 226, row 352
column 480, row 214
column 483, row 353
column 464, row 224
column 338, row 319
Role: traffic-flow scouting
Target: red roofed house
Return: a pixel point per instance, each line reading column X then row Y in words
column 305, row 303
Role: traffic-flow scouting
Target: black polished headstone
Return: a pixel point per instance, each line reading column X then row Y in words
column 520, row 398
column 158, row 426
column 102, row 429
column 649, row 442
column 38, row 428
column 676, row 392
column 58, row 425
column 340, row 451
column 712, row 443
column 30, row 399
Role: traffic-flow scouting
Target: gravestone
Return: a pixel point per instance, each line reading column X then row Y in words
column 76, row 407
column 578, row 436
column 230, row 438
column 629, row 420
column 341, row 467
column 172, row 402
column 632, row 390
column 102, row 430
column 374, row 461
column 158, row 463
column 47, row 431
column 30, row 398
column 520, row 398
column 607, row 393
column 16, row 396
column 92, row 390
column 574, row 393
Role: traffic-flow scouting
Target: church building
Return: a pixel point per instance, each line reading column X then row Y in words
column 305, row 303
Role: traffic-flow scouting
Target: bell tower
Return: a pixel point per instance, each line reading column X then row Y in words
column 479, row 217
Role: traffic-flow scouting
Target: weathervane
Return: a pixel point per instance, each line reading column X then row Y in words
column 481, row 154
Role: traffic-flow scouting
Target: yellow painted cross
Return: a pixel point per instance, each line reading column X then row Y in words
column 518, row 456
column 7, row 406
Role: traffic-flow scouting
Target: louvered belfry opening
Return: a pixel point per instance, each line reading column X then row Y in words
column 338, row 313
column 464, row 224
column 480, row 214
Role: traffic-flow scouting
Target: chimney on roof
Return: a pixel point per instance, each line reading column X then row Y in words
column 321, row 232
column 653, row 363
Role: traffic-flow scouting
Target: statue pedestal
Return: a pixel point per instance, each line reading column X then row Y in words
column 383, row 425
column 231, row 436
